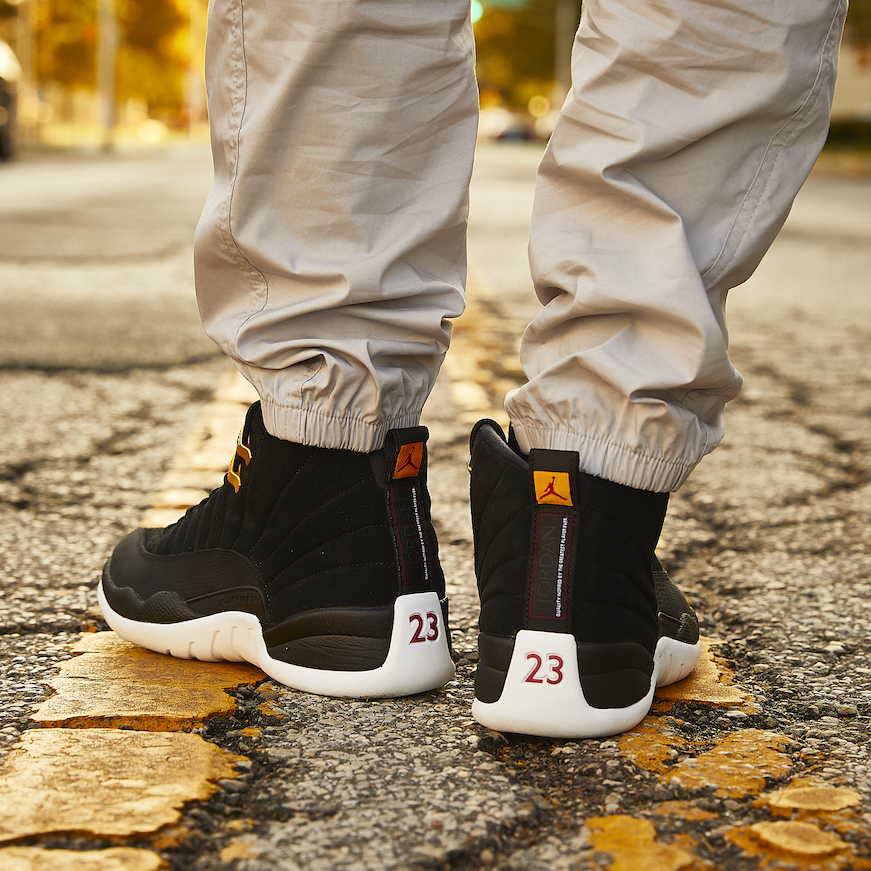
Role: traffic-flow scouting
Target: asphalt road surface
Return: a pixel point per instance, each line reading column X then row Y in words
column 104, row 370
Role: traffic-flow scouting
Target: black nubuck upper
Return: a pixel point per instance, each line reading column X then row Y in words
column 315, row 542
column 559, row 550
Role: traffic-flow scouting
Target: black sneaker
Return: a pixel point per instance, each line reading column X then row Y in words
column 579, row 623
column 319, row 566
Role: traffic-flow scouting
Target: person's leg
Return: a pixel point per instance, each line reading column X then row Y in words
column 329, row 259
column 332, row 247
column 690, row 127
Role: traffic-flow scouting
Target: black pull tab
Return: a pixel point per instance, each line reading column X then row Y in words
column 405, row 456
column 405, row 451
column 554, row 484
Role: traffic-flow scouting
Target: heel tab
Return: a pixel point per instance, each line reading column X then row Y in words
column 403, row 456
column 484, row 425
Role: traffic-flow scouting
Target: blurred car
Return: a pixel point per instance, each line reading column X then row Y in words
column 10, row 73
column 503, row 124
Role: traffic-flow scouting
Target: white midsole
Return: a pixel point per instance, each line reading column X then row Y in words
column 543, row 695
column 418, row 659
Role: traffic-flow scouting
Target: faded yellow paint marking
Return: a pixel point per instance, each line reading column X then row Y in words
column 797, row 845
column 267, row 710
column 238, row 850
column 737, row 765
column 102, row 642
column 652, row 744
column 817, row 798
column 478, row 369
column 810, row 799
column 115, row 683
column 170, row 837
column 201, row 461
column 240, row 825
column 179, row 499
column 711, row 683
column 684, row 809
column 113, row 859
column 633, row 846
column 798, row 837
column 104, row 781
column 158, row 518
column 686, row 842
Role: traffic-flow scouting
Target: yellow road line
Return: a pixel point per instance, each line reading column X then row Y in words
column 632, row 844
column 105, row 782
column 116, row 683
column 201, row 460
column 711, row 683
column 109, row 782
column 113, row 859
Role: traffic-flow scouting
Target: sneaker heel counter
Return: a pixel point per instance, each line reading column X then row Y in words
column 400, row 468
column 501, row 519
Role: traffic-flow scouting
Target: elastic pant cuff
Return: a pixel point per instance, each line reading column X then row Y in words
column 308, row 426
column 604, row 459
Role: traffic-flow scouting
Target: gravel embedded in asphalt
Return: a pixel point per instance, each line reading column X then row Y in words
column 770, row 537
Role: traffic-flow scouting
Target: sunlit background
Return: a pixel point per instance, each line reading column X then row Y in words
column 116, row 73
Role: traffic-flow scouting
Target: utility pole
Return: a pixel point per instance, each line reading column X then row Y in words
column 195, row 89
column 107, row 51
column 565, row 26
column 25, row 48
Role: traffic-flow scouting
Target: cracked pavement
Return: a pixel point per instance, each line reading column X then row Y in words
column 105, row 371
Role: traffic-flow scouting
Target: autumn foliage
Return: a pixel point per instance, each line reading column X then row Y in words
column 153, row 47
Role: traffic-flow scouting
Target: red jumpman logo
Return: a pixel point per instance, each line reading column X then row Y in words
column 551, row 492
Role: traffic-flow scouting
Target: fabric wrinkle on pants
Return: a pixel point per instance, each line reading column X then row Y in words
column 689, row 130
column 331, row 253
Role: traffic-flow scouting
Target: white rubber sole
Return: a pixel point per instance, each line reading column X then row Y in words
column 418, row 659
column 543, row 694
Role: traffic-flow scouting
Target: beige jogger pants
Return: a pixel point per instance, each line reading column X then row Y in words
column 331, row 253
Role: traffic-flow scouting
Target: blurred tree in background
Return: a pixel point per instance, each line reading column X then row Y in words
column 859, row 22
column 153, row 52
column 523, row 46
column 517, row 40
column 518, row 44
column 153, row 46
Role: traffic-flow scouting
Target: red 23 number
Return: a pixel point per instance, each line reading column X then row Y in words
column 431, row 624
column 554, row 673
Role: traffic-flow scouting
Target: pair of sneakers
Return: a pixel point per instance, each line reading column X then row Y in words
column 321, row 567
